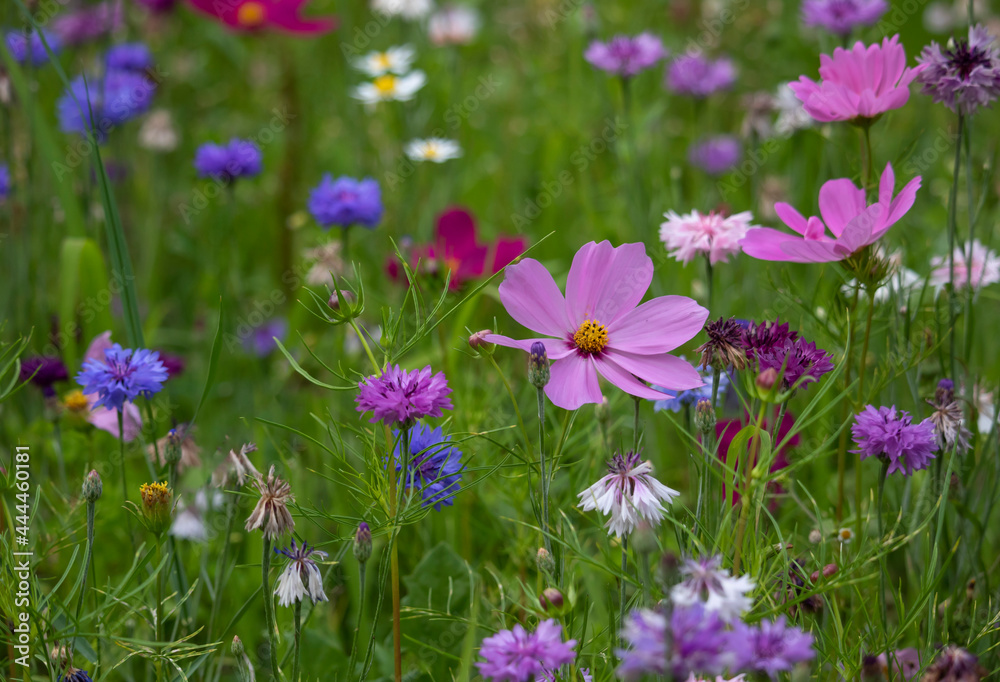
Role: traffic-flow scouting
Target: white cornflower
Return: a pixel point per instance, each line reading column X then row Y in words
column 981, row 270
column 158, row 133
column 628, row 494
column 453, row 25
column 397, row 60
column 707, row 582
column 792, row 115
column 434, row 149
column 407, row 9
column 301, row 576
column 388, row 88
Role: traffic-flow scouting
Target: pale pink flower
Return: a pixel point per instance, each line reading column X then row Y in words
column 984, row 270
column 628, row 495
column 860, row 83
column 599, row 327
column 853, row 224
column 715, row 235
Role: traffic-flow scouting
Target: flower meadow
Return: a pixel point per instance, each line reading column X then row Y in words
column 518, row 341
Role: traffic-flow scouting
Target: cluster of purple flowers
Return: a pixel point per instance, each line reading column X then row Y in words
column 124, row 375
column 399, row 396
column 691, row 640
column 842, row 16
column 29, row 48
column 518, row 656
column 96, row 106
column 435, row 467
column 226, row 162
column 965, row 74
column 345, row 202
column 772, row 345
column 891, row 435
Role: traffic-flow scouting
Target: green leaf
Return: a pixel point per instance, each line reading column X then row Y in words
column 84, row 295
column 213, row 365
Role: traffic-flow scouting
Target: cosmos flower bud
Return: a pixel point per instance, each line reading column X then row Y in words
column 830, row 570
column 344, row 304
column 362, row 543
column 546, row 564
column 93, row 488
column 551, row 599
column 243, row 663
column 157, row 501
column 538, row 365
column 334, row 302
column 704, row 416
column 478, row 340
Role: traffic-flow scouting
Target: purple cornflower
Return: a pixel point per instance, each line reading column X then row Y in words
column 345, row 202
column 173, row 363
column 75, row 675
column 698, row 76
column 798, row 359
column 646, row 634
column 842, row 16
column 955, row 664
column 399, row 396
column 774, row 646
column 129, row 57
column 261, row 342
column 27, row 48
column 518, row 656
column 882, row 432
column 43, row 372
column 435, row 467
column 301, row 576
column 226, row 162
column 124, row 375
column 96, row 106
column 715, row 155
column 624, row 55
column 88, row 22
column 4, row 182
column 765, row 337
column 965, row 75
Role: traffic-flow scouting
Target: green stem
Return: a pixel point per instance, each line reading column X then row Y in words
column 86, row 563
column 635, row 427
column 361, row 615
column 544, row 471
column 158, row 622
column 952, row 229
column 881, row 562
column 298, row 640
column 621, row 600
column 364, row 344
column 968, row 257
column 858, row 480
column 220, row 569
column 845, row 409
column 265, row 570
column 513, row 401
column 869, row 165
column 745, row 501
column 404, row 449
column 121, row 452
column 709, row 277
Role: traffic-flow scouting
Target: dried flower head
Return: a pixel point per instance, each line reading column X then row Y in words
column 724, row 347
column 236, row 468
column 271, row 514
column 948, row 419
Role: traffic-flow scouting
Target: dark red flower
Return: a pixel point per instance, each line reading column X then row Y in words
column 726, row 431
column 256, row 15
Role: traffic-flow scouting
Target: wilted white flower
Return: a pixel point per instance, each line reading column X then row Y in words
column 792, row 115
column 628, row 494
column 434, row 149
column 189, row 523
column 236, row 467
column 271, row 514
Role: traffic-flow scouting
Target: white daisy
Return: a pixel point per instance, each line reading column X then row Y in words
column 301, row 576
column 389, row 87
column 407, row 9
column 707, row 582
column 628, row 494
column 434, row 149
column 397, row 60
column 453, row 25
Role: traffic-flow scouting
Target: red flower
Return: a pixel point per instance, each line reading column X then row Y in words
column 456, row 249
column 254, row 15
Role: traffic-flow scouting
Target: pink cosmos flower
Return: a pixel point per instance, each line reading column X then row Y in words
column 599, row 327
column 843, row 206
column 102, row 417
column 255, row 15
column 860, row 83
column 982, row 270
column 715, row 235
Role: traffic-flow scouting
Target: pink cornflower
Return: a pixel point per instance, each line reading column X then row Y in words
column 518, row 656
column 859, row 84
column 715, row 235
column 981, row 270
column 599, row 327
column 399, row 396
column 627, row 495
column 843, row 206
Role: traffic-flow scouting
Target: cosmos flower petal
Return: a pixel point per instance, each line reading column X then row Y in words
column 573, row 382
column 667, row 371
column 554, row 348
column 611, row 370
column 791, row 217
column 532, row 298
column 605, row 282
column 766, row 243
column 839, row 201
column 658, row 325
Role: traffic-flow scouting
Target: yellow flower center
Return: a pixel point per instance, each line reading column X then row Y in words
column 154, row 494
column 430, row 151
column 382, row 61
column 250, row 14
column 386, row 85
column 76, row 401
column 591, row 337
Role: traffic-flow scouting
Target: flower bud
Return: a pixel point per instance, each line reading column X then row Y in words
column 363, row 543
column 815, row 536
column 704, row 416
column 538, row 365
column 157, row 501
column 243, row 663
column 945, row 392
column 551, row 599
column 173, row 450
column 767, row 379
column 830, row 570
column 93, row 488
column 546, row 564
column 237, row 646
column 334, row 302
column 478, row 340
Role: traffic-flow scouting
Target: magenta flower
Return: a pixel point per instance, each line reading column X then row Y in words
column 860, row 83
column 599, row 327
column 518, row 656
column 885, row 433
column 624, row 55
column 854, row 224
column 399, row 396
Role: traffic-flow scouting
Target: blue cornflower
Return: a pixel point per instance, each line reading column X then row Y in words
column 435, row 466
column 675, row 401
column 75, row 675
column 28, row 49
column 238, row 159
column 345, row 202
column 129, row 56
column 4, row 181
column 124, row 375
column 96, row 105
